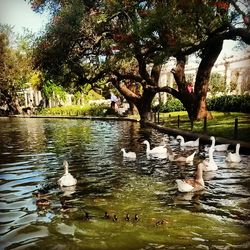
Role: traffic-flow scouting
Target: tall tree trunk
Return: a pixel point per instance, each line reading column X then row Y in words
column 209, row 56
column 144, row 105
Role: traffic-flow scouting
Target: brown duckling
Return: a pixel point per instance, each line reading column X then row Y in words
column 106, row 215
column 127, row 217
column 161, row 222
column 115, row 218
column 67, row 207
column 41, row 201
column 136, row 217
column 86, row 216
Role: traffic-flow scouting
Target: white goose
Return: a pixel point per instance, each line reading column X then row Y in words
column 220, row 147
column 188, row 143
column 234, row 157
column 67, row 179
column 188, row 159
column 192, row 184
column 130, row 155
column 209, row 164
column 160, row 151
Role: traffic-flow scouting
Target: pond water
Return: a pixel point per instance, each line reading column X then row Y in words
column 31, row 156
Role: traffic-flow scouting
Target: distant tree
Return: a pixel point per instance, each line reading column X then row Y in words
column 15, row 65
column 129, row 41
column 217, row 84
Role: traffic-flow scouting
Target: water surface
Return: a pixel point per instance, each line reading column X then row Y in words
column 31, row 156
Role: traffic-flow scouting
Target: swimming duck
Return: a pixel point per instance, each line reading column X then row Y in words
column 106, row 215
column 67, row 179
column 220, row 147
column 136, row 217
column 115, row 218
column 161, row 222
column 188, row 159
column 188, row 143
column 234, row 157
column 66, row 207
column 173, row 141
column 159, row 151
column 86, row 216
column 192, row 184
column 131, row 155
column 209, row 164
column 127, row 217
column 41, row 201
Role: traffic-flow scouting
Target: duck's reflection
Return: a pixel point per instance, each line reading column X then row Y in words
column 68, row 191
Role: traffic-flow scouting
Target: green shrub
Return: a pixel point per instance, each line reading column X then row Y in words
column 230, row 103
column 171, row 105
column 88, row 110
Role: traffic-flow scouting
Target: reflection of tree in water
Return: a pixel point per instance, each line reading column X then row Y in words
column 62, row 134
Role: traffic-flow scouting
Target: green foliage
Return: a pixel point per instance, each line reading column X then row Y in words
column 15, row 63
column 51, row 89
column 216, row 83
column 232, row 103
column 171, row 105
column 86, row 110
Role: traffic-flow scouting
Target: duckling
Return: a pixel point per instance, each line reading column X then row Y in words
column 106, row 215
column 127, row 217
column 86, row 216
column 161, row 222
column 136, row 217
column 115, row 218
column 41, row 201
column 66, row 207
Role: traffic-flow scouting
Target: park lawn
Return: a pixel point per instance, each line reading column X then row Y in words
column 221, row 125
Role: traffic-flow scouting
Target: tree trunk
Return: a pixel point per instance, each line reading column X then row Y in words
column 209, row 56
column 144, row 106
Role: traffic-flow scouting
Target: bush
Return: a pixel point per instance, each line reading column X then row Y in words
column 171, row 105
column 230, row 103
column 91, row 110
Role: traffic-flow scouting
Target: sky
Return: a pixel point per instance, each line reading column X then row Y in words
column 18, row 13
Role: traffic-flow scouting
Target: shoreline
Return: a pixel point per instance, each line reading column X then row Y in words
column 204, row 138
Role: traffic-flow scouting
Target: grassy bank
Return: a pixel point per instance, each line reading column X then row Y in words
column 221, row 125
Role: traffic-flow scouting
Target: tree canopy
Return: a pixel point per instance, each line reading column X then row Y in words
column 129, row 41
column 15, row 64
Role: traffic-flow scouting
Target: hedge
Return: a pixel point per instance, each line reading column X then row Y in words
column 230, row 103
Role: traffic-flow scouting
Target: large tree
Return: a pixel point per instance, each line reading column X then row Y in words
column 129, row 41
column 15, row 66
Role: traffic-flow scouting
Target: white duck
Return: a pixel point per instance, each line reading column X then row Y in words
column 159, row 151
column 220, row 147
column 234, row 157
column 67, row 179
column 130, row 155
column 188, row 143
column 209, row 164
column 188, row 159
column 192, row 184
